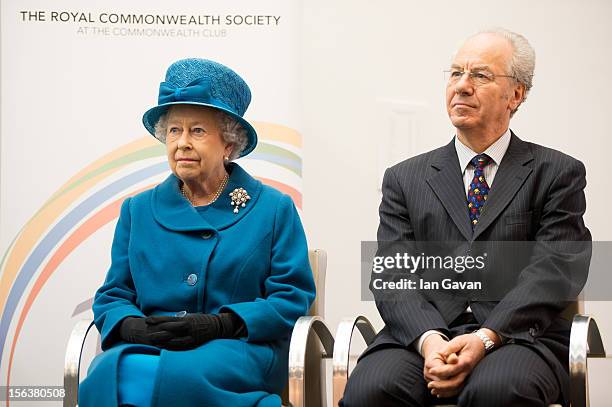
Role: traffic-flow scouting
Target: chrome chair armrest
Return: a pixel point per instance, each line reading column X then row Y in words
column 298, row 349
column 585, row 342
column 72, row 362
column 342, row 350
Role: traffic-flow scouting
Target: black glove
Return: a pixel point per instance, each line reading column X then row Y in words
column 136, row 330
column 193, row 330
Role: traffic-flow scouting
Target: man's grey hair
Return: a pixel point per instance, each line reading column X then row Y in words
column 230, row 130
column 522, row 64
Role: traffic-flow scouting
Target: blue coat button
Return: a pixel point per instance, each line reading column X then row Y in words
column 207, row 235
column 192, row 279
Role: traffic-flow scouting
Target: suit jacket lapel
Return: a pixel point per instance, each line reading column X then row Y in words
column 509, row 178
column 447, row 184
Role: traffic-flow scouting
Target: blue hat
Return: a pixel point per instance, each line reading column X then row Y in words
column 202, row 82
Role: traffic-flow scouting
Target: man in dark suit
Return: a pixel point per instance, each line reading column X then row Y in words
column 486, row 185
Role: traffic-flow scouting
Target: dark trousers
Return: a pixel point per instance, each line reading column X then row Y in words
column 512, row 375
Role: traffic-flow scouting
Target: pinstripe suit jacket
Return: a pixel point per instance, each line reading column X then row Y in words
column 537, row 195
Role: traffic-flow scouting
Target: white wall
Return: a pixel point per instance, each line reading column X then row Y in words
column 359, row 55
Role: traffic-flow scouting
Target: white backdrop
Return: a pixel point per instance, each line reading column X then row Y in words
column 76, row 79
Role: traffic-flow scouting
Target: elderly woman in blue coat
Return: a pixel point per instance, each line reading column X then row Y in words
column 209, row 269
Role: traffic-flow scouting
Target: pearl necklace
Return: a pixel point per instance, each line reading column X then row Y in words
column 215, row 196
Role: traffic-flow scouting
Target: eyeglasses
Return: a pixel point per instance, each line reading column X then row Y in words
column 478, row 78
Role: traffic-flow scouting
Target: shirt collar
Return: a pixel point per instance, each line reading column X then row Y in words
column 496, row 150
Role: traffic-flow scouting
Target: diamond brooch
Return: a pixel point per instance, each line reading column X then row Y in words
column 239, row 198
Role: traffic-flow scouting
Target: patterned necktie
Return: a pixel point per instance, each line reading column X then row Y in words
column 479, row 189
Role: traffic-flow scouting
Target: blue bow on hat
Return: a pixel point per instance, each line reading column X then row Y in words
column 196, row 91
column 206, row 83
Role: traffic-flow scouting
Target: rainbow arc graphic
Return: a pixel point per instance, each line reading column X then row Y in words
column 92, row 198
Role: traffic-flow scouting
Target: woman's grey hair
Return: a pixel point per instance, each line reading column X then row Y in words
column 522, row 64
column 230, row 130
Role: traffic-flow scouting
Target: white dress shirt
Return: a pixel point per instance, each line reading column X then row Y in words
column 496, row 151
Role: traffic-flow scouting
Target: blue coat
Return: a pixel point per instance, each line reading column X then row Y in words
column 167, row 257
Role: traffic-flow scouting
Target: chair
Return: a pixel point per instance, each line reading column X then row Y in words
column 585, row 342
column 311, row 342
column 310, row 334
